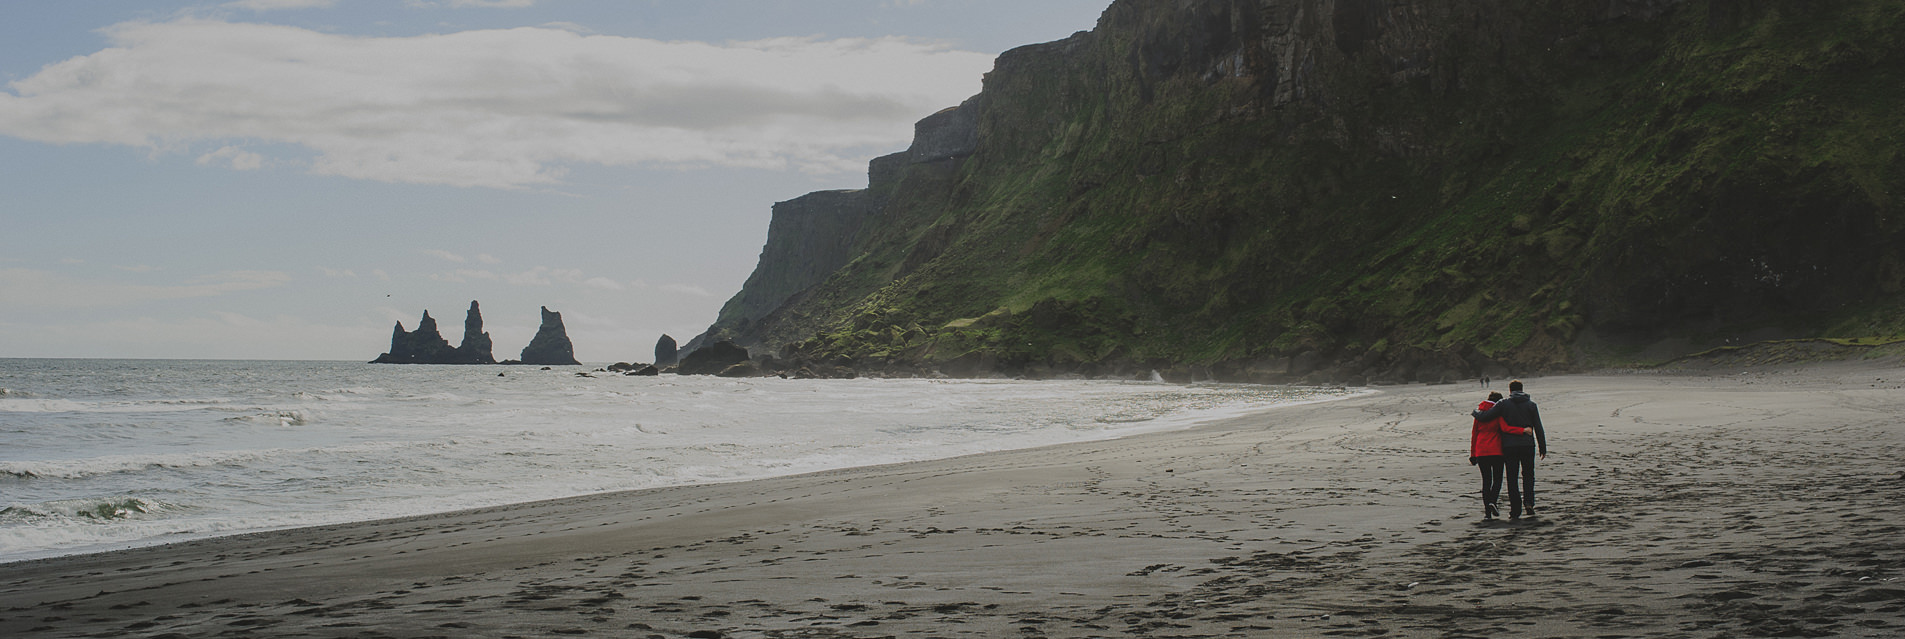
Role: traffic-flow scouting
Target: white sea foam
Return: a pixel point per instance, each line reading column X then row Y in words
column 161, row 451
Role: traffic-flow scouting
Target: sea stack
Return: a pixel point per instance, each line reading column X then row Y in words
column 551, row 345
column 421, row 346
column 666, row 353
column 475, row 348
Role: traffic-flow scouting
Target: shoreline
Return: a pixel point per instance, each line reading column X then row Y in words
column 1186, row 417
column 1672, row 505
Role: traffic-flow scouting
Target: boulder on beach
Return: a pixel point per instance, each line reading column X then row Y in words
column 712, row 359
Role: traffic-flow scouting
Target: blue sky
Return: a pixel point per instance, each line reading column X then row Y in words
column 283, row 179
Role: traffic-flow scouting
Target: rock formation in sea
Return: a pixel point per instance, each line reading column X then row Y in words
column 427, row 346
column 666, row 353
column 421, row 346
column 712, row 359
column 476, row 346
column 551, row 345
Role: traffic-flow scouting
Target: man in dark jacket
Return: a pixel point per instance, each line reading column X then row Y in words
column 1518, row 451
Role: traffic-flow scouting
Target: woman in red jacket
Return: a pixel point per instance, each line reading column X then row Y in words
column 1485, row 452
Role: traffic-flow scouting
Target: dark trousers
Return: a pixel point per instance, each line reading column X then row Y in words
column 1521, row 479
column 1491, row 467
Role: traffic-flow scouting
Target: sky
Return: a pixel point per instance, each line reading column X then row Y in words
column 285, row 179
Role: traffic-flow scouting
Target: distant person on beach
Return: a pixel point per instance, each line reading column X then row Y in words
column 1485, row 452
column 1518, row 450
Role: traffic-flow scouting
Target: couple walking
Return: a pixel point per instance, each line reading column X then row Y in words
column 1506, row 439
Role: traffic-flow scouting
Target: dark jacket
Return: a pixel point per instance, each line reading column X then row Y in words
column 1519, row 411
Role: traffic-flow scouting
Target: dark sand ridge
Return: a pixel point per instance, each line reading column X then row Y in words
column 1756, row 504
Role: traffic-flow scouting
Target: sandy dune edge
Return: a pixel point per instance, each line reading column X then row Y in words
column 1763, row 504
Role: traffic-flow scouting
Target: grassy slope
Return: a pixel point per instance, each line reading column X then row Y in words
column 1557, row 197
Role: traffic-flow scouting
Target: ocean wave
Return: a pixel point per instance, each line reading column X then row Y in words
column 25, row 405
column 116, row 464
column 127, row 464
column 284, row 418
column 9, row 392
column 45, row 406
column 97, row 510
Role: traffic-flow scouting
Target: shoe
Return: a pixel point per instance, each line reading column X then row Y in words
column 1489, row 511
column 1531, row 511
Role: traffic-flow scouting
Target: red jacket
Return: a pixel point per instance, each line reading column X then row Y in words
column 1487, row 438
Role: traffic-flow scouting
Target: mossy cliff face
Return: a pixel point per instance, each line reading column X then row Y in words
column 1370, row 190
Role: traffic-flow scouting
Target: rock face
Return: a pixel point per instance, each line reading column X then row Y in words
column 1398, row 190
column 426, row 346
column 551, row 345
column 712, row 359
column 809, row 238
column 422, row 346
column 666, row 353
column 475, row 348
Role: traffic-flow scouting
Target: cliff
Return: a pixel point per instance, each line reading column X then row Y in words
column 1369, row 190
column 550, row 346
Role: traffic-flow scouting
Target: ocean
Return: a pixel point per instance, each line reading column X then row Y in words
column 106, row 454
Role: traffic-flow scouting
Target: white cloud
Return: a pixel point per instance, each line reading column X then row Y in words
column 487, row 258
column 444, row 255
column 140, row 268
column 496, row 108
column 687, row 289
column 380, row 275
column 602, row 283
column 334, row 272
column 35, row 289
column 274, row 5
column 237, row 158
column 491, row 4
column 544, row 276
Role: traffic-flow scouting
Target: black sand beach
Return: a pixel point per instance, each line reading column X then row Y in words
column 1760, row 503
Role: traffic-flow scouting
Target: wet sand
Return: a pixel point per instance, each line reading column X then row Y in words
column 1764, row 503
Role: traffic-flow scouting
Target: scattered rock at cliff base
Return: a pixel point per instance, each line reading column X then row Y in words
column 646, row 371
column 712, row 359
column 666, row 351
column 551, row 345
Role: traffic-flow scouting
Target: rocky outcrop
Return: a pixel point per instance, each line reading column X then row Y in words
column 551, row 345
column 809, row 238
column 712, row 359
column 476, row 346
column 426, row 346
column 666, row 353
column 421, row 346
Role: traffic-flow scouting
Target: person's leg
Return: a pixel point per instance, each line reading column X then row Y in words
column 1491, row 486
column 1528, row 483
column 1487, row 513
column 1514, row 486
